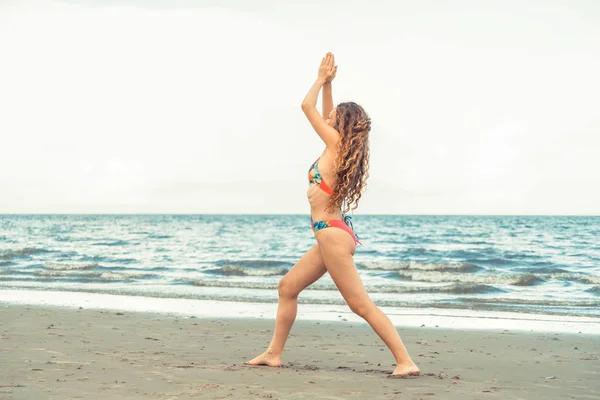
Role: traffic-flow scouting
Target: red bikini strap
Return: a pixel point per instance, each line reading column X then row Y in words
column 325, row 187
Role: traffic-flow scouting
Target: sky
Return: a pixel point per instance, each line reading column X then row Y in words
column 156, row 106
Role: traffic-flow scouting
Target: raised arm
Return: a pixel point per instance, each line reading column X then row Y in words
column 328, row 92
column 327, row 72
column 327, row 99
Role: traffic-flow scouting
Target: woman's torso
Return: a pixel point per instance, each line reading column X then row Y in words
column 318, row 197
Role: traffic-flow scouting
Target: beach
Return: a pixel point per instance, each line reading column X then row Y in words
column 50, row 352
column 170, row 307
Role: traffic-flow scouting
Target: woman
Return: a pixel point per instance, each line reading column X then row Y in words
column 336, row 179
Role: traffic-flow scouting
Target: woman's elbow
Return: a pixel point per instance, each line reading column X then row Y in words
column 306, row 106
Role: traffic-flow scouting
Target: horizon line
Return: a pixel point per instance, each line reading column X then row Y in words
column 308, row 214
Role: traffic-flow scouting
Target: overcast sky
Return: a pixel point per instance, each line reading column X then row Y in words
column 138, row 106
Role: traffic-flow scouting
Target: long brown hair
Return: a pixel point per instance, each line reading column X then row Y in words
column 352, row 161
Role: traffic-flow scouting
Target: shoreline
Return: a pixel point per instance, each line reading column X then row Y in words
column 401, row 317
column 60, row 352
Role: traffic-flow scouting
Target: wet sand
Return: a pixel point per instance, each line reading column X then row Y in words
column 64, row 353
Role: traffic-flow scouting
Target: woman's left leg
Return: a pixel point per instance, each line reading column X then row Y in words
column 337, row 249
column 308, row 269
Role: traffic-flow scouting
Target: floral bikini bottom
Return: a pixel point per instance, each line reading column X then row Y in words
column 345, row 224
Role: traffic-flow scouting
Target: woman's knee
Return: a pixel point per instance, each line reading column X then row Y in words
column 362, row 308
column 287, row 289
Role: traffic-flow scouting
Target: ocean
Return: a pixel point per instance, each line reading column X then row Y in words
column 548, row 265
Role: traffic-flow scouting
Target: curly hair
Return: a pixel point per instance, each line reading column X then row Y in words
column 352, row 161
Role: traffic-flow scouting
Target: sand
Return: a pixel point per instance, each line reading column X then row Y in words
column 68, row 353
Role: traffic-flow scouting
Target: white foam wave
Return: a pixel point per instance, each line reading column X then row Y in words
column 234, row 270
column 418, row 266
column 69, row 266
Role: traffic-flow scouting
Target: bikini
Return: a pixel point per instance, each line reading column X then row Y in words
column 314, row 176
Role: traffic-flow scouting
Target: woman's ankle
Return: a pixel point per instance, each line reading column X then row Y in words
column 273, row 352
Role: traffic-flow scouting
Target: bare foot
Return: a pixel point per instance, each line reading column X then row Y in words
column 406, row 370
column 265, row 358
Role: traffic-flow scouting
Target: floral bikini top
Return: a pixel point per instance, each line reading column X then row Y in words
column 314, row 176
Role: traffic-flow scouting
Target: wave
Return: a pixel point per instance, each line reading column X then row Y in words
column 526, row 279
column 418, row 266
column 250, row 268
column 233, row 270
column 87, row 258
column 70, row 266
column 533, row 302
column 26, row 251
column 126, row 275
column 113, row 243
column 441, row 276
column 575, row 277
column 74, row 274
column 457, row 288
column 230, row 284
column 492, row 261
column 542, row 270
column 594, row 290
column 471, row 252
column 415, row 251
column 462, row 287
column 157, row 236
column 254, row 263
column 72, row 239
column 520, row 256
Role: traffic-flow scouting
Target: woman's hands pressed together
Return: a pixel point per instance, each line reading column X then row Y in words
column 327, row 69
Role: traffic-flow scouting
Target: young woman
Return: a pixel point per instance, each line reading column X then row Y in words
column 336, row 179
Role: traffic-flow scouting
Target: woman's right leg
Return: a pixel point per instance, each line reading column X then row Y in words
column 337, row 250
column 309, row 268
